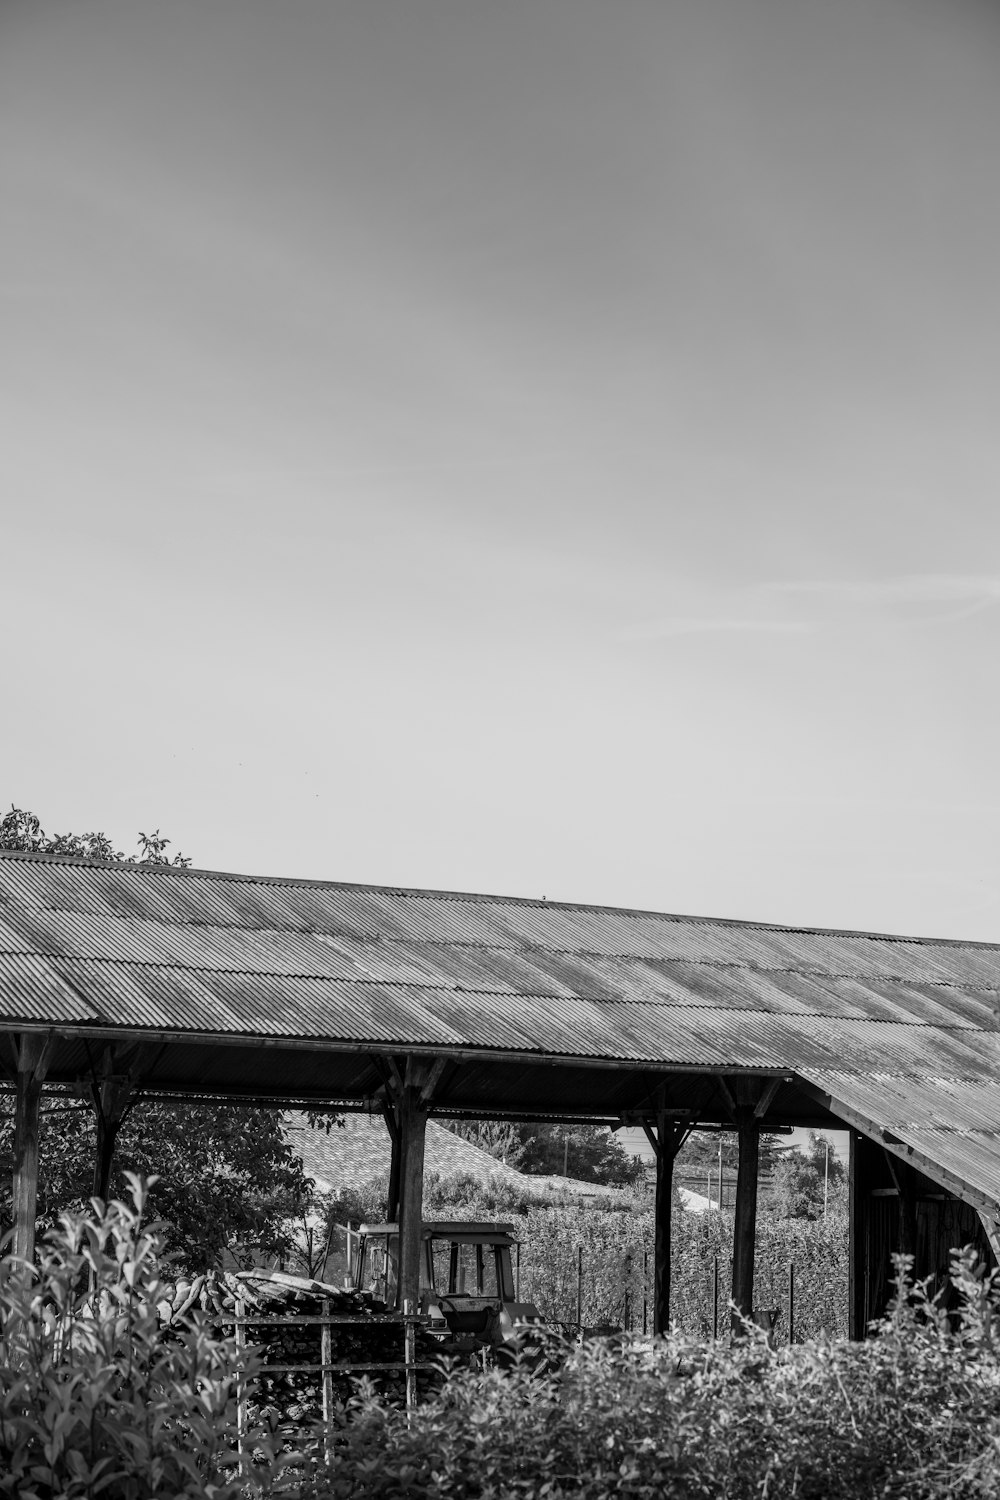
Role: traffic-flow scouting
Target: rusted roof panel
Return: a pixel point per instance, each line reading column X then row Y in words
column 31, row 991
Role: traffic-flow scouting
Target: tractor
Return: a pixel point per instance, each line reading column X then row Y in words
column 467, row 1289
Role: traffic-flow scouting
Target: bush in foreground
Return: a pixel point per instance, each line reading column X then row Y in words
column 102, row 1394
column 98, row 1396
column 914, row 1414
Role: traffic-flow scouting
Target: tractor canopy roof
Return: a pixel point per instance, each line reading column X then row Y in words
column 447, row 1229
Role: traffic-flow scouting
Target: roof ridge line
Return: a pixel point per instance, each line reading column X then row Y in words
column 303, row 883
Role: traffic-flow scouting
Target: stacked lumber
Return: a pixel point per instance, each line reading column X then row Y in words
column 372, row 1336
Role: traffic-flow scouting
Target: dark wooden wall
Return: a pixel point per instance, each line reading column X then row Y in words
column 895, row 1209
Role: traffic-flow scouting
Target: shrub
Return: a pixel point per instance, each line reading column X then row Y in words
column 97, row 1395
column 912, row 1414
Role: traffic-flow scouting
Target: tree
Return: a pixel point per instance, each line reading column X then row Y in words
column 228, row 1179
column 497, row 1137
column 22, row 831
column 590, row 1153
column 806, row 1182
column 698, row 1162
column 227, row 1174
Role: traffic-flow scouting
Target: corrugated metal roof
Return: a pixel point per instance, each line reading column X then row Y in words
column 898, row 1032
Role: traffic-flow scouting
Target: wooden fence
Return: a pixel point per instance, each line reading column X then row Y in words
column 326, row 1366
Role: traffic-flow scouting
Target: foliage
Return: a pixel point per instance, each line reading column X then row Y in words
column 807, row 1183
column 588, row 1153
column 101, row 1395
column 701, row 1149
column 362, row 1204
column 912, row 1414
column 96, row 1396
column 617, row 1269
column 227, row 1175
column 21, row 830
column 500, row 1138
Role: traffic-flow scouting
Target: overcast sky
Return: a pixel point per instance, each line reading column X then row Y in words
column 527, row 446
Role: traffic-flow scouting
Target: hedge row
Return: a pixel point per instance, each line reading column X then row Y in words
column 108, row 1386
column 913, row 1414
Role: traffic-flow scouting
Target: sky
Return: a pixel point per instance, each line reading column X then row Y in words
column 544, row 447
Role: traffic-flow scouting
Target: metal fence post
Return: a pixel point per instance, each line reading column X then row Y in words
column 410, row 1354
column 715, row 1299
column 579, row 1287
column 645, row 1289
column 517, row 1272
column 791, row 1302
column 326, row 1360
column 241, row 1388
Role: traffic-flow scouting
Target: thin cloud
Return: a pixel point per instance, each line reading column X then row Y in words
column 944, row 596
column 915, row 599
column 654, row 630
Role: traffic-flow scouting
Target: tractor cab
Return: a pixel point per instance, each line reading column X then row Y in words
column 467, row 1286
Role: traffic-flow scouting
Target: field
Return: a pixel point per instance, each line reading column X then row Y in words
column 615, row 1253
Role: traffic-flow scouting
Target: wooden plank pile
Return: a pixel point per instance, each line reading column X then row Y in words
column 305, row 1325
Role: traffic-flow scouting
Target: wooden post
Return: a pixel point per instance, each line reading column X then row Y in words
column 661, row 1246
column 112, row 1089
column 666, row 1141
column 107, row 1136
column 413, row 1129
column 904, row 1177
column 856, row 1208
column 32, row 1065
column 745, row 1227
column 391, row 1116
column 113, row 1096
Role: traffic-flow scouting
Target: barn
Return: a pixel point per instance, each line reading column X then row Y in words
column 413, row 1003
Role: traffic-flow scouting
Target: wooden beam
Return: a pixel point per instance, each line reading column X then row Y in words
column 32, row 1062
column 432, row 1080
column 391, row 1117
column 991, row 1229
column 412, row 1129
column 727, row 1097
column 477, row 1055
column 112, row 1090
column 767, row 1098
